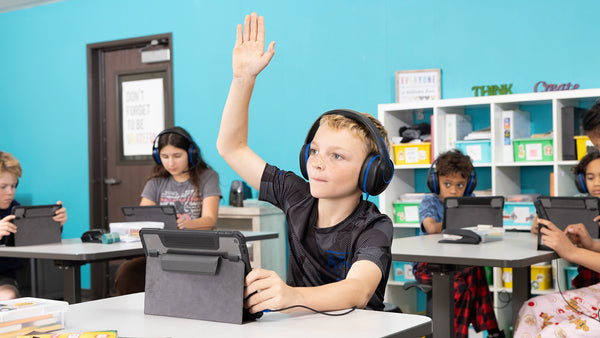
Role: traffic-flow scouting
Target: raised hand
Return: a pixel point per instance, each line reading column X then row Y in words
column 249, row 56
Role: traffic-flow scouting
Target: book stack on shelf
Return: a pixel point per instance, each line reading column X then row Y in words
column 23, row 316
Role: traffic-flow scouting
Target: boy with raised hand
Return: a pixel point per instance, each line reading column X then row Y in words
column 339, row 243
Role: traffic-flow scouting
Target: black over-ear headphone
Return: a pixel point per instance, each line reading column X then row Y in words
column 377, row 170
column 580, row 183
column 433, row 179
column 193, row 150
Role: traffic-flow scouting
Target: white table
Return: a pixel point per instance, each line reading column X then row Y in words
column 71, row 254
column 126, row 315
column 517, row 251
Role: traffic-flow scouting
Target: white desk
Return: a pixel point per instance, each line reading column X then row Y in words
column 126, row 315
column 71, row 254
column 517, row 251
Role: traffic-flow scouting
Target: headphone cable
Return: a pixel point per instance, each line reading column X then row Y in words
column 327, row 313
column 569, row 304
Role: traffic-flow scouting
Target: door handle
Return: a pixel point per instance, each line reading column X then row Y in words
column 111, row 181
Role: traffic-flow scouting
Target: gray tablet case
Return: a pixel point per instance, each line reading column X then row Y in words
column 195, row 274
column 152, row 213
column 35, row 225
column 462, row 212
column 563, row 210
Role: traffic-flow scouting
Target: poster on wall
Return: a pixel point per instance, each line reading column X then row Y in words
column 143, row 115
column 418, row 85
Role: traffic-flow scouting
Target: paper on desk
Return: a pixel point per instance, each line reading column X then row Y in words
column 488, row 233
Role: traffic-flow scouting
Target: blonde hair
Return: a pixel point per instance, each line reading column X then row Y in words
column 9, row 164
column 338, row 122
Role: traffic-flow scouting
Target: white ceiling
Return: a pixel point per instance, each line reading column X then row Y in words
column 13, row 5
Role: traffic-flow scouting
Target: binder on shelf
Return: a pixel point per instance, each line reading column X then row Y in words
column 457, row 127
column 515, row 124
column 572, row 125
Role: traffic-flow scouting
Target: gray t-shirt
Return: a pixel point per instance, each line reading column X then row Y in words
column 167, row 191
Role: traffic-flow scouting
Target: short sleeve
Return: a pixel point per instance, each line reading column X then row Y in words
column 282, row 188
column 210, row 184
column 151, row 191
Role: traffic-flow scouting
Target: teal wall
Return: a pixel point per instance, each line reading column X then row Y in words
column 329, row 54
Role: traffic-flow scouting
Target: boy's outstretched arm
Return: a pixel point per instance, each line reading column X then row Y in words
column 249, row 59
column 273, row 293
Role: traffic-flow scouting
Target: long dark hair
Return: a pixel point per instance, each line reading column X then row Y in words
column 185, row 143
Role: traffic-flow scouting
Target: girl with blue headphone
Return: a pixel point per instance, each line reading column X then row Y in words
column 180, row 178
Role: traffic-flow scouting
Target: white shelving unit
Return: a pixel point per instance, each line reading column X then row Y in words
column 505, row 175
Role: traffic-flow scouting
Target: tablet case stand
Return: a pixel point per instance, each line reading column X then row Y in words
column 462, row 212
column 563, row 210
column 35, row 226
column 195, row 286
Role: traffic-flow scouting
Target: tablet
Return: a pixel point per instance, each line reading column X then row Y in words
column 35, row 225
column 462, row 212
column 194, row 243
column 153, row 213
column 192, row 274
column 564, row 210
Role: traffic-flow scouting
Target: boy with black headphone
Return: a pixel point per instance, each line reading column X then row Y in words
column 339, row 254
column 452, row 175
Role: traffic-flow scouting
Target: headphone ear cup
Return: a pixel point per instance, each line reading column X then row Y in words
column 155, row 156
column 194, row 155
column 373, row 174
column 304, row 159
column 580, row 183
column 472, row 184
column 433, row 182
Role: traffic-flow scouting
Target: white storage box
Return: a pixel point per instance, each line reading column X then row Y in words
column 130, row 231
column 22, row 316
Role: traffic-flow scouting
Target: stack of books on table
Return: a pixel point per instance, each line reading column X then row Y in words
column 23, row 316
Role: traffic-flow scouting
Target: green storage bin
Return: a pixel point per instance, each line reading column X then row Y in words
column 533, row 149
column 406, row 212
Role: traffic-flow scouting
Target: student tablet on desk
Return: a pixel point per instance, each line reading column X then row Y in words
column 196, row 274
column 35, row 225
column 154, row 213
column 563, row 211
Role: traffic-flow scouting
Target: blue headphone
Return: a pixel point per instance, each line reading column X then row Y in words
column 193, row 150
column 433, row 179
column 377, row 169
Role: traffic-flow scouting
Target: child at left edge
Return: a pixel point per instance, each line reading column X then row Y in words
column 453, row 175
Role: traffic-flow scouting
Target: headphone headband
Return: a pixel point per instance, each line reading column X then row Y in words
column 193, row 149
column 360, row 119
column 377, row 170
column 433, row 178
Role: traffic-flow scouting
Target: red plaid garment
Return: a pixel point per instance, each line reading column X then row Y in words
column 473, row 302
column 585, row 277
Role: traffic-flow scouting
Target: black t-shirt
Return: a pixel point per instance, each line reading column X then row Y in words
column 323, row 255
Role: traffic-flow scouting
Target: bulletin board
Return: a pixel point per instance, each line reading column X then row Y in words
column 418, row 85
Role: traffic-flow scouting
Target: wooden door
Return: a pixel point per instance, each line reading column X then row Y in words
column 116, row 179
